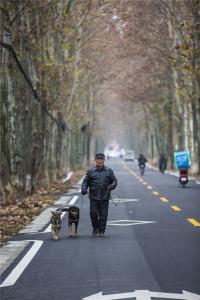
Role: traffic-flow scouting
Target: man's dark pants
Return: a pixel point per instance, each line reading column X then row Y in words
column 99, row 214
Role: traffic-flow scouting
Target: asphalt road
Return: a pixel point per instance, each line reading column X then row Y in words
column 150, row 251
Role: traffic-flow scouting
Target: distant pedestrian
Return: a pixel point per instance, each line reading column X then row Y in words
column 101, row 181
column 162, row 163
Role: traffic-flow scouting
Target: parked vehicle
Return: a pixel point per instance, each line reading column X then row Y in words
column 129, row 155
column 183, row 178
column 111, row 151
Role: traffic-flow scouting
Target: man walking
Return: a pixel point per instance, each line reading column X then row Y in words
column 101, row 181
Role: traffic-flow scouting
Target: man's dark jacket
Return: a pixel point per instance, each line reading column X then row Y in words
column 100, row 183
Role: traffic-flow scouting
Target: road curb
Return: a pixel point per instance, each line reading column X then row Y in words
column 173, row 173
column 12, row 249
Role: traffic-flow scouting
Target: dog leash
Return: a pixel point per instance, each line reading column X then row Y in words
column 99, row 198
column 81, row 202
column 111, row 198
column 116, row 202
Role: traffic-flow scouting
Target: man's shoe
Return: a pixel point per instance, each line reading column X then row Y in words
column 94, row 232
column 101, row 234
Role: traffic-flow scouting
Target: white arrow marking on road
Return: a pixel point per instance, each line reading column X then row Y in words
column 144, row 295
column 186, row 295
column 128, row 222
column 21, row 266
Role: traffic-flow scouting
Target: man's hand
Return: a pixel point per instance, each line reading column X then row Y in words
column 83, row 192
column 109, row 188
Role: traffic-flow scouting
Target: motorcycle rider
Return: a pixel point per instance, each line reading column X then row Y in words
column 101, row 181
column 142, row 160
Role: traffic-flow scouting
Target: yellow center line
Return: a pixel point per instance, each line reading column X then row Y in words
column 193, row 222
column 164, row 199
column 176, row 208
column 149, row 187
column 155, row 193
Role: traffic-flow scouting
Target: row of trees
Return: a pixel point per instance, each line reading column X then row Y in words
column 146, row 75
column 45, row 102
column 76, row 75
column 174, row 122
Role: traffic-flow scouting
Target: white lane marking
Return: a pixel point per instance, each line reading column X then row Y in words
column 144, row 295
column 71, row 202
column 152, row 167
column 171, row 173
column 63, row 199
column 149, row 187
column 73, row 192
column 9, row 252
column 21, row 266
column 128, row 222
column 123, row 200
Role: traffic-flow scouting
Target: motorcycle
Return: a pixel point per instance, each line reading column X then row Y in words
column 142, row 168
column 183, row 177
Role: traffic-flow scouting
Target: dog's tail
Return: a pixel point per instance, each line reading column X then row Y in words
column 63, row 209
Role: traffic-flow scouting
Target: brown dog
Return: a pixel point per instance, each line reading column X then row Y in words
column 55, row 224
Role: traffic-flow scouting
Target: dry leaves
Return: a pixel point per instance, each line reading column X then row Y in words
column 15, row 216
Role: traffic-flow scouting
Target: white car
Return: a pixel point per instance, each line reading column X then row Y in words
column 111, row 152
column 129, row 155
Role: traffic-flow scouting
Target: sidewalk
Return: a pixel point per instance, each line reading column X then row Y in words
column 15, row 216
column 41, row 224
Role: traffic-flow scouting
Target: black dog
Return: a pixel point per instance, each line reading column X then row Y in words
column 73, row 217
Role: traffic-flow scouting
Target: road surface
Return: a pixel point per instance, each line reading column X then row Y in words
column 151, row 249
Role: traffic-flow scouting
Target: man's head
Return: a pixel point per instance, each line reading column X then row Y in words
column 99, row 159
